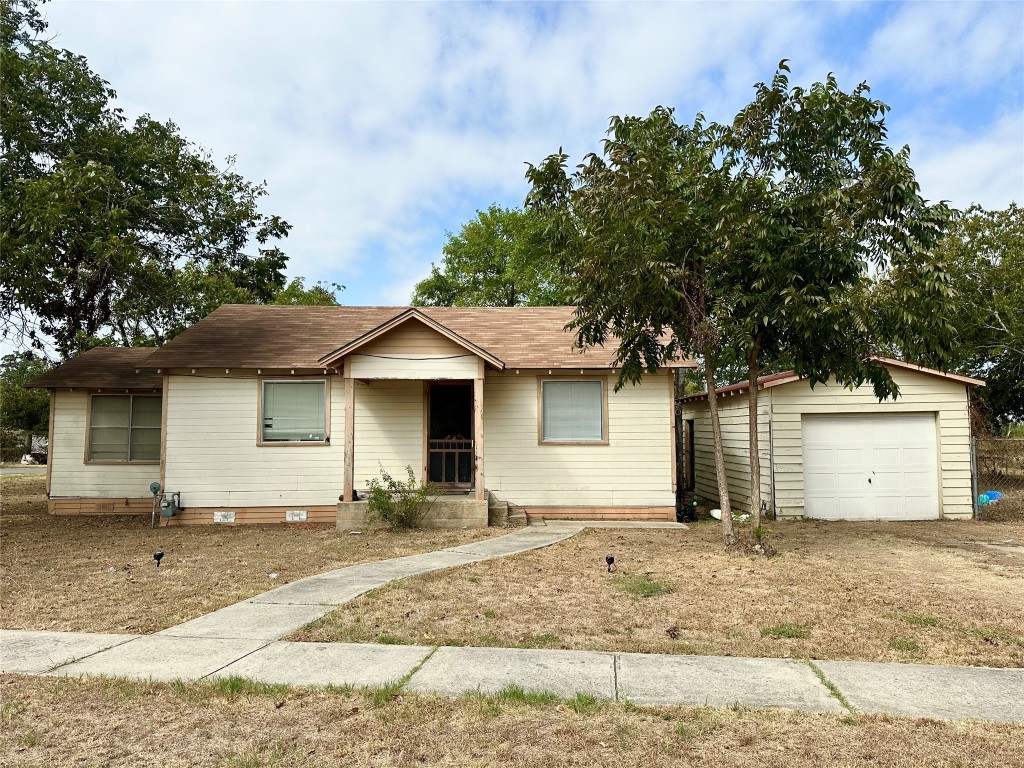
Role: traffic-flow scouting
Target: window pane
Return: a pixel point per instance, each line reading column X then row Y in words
column 108, row 427
column 146, row 411
column 572, row 411
column 108, row 443
column 294, row 411
column 110, row 410
column 145, row 444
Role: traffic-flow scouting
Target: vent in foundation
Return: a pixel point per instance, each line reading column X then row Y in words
column 224, row 516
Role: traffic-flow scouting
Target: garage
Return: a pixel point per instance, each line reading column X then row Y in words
column 871, row 467
column 830, row 452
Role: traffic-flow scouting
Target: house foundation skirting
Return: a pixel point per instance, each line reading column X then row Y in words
column 252, row 515
column 444, row 513
column 76, row 505
column 601, row 513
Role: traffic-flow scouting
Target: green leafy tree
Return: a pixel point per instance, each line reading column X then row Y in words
column 496, row 260
column 820, row 202
column 320, row 294
column 636, row 231
column 100, row 219
column 24, row 413
column 985, row 250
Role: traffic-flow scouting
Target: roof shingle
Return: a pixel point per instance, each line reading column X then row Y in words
column 252, row 336
column 104, row 367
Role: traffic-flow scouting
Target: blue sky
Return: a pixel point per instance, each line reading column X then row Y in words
column 380, row 126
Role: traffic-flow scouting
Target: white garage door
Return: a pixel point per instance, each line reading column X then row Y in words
column 870, row 467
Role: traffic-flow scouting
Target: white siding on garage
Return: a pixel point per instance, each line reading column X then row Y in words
column 787, row 405
column 870, row 467
column 213, row 460
column 732, row 412
column 71, row 476
column 634, row 469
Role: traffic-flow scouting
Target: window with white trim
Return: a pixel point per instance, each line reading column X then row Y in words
column 294, row 412
column 124, row 428
column 572, row 411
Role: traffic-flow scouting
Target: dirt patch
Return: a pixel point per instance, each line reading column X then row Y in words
column 97, row 574
column 909, row 592
column 117, row 723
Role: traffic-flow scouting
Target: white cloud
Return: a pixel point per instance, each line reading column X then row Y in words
column 987, row 168
column 949, row 45
column 377, row 126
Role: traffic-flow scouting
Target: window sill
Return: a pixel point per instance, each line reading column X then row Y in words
column 572, row 442
column 293, row 444
column 107, row 462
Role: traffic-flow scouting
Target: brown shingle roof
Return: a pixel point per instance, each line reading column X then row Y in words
column 250, row 336
column 104, row 367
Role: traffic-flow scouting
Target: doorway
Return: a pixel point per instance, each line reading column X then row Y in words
column 450, row 434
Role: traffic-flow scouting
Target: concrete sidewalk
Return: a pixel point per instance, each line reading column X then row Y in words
column 955, row 693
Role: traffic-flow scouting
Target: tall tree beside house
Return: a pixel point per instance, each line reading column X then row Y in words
column 99, row 217
column 821, row 202
column 985, row 250
column 636, row 230
column 24, row 413
column 497, row 259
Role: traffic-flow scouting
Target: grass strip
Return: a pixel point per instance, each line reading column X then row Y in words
column 832, row 687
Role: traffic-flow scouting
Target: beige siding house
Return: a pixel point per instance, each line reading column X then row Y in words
column 274, row 414
column 834, row 453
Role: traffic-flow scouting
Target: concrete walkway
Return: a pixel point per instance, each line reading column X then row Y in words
column 28, row 469
column 244, row 640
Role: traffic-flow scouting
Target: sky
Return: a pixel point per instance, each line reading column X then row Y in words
column 381, row 127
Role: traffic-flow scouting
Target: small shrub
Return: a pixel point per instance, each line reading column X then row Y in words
column 786, row 630
column 642, row 585
column 400, row 504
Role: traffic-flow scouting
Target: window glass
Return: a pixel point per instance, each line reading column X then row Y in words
column 294, row 411
column 572, row 411
column 124, row 428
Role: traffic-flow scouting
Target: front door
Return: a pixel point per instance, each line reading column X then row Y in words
column 450, row 434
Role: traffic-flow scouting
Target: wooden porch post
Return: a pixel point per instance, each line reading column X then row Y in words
column 350, row 431
column 478, row 429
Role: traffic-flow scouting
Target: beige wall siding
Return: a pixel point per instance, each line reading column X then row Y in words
column 70, row 476
column 732, row 412
column 389, row 429
column 413, row 351
column 918, row 393
column 213, row 459
column 787, row 403
column 634, row 469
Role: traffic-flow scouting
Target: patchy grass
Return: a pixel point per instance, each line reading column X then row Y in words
column 850, row 588
column 642, row 585
column 96, row 574
column 77, row 722
column 786, row 630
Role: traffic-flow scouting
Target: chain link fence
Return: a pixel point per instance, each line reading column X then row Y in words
column 999, row 469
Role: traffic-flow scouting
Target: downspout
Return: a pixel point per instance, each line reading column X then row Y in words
column 973, row 443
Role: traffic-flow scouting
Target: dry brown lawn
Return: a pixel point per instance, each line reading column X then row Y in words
column 99, row 722
column 908, row 592
column 97, row 574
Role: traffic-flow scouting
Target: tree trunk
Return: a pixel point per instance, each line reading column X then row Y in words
column 753, row 371
column 716, row 432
